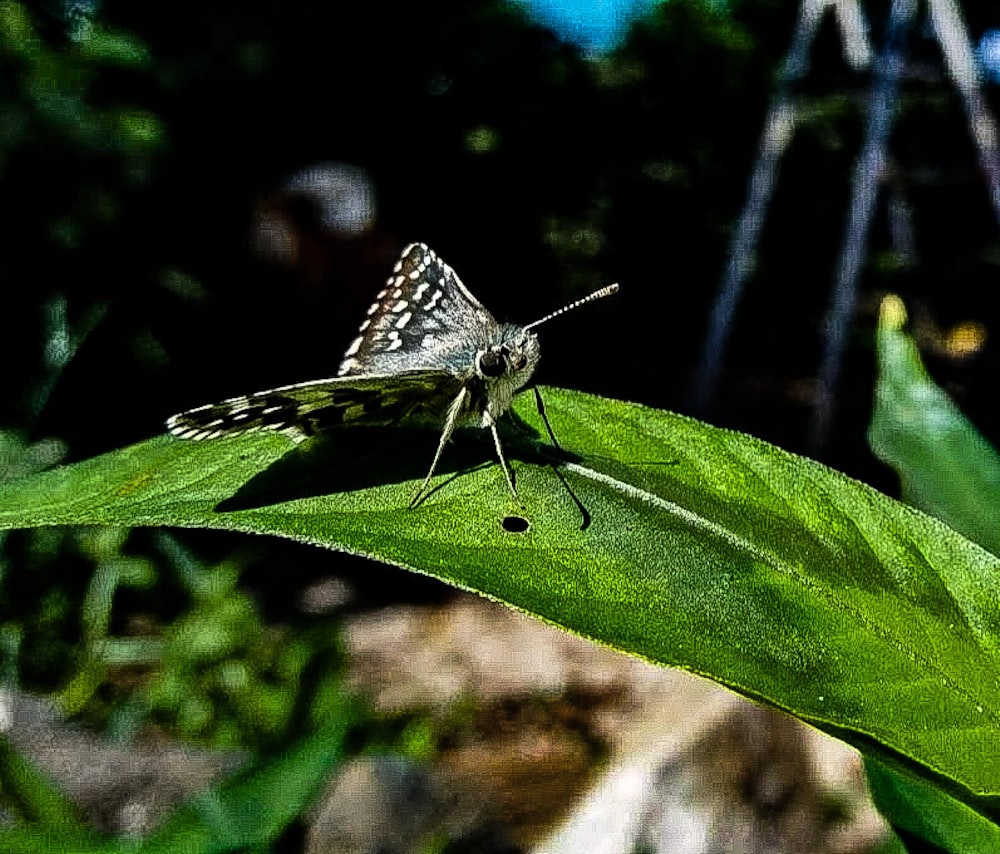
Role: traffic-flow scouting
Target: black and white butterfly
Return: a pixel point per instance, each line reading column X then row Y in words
column 428, row 351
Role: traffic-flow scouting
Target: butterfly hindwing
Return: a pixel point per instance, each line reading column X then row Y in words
column 423, row 318
column 306, row 407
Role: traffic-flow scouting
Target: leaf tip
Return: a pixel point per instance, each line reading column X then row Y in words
column 892, row 314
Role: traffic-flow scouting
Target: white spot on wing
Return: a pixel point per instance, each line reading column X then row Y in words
column 355, row 346
column 434, row 300
column 400, row 306
column 404, row 319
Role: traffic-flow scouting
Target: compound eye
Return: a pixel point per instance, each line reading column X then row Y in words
column 520, row 363
column 492, row 364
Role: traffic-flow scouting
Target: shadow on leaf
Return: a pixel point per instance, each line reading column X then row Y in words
column 348, row 460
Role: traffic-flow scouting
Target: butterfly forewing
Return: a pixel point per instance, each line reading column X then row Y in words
column 423, row 318
column 307, row 407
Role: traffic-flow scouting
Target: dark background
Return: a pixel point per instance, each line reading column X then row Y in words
column 537, row 174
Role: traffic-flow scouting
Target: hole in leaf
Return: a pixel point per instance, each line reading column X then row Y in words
column 515, row 524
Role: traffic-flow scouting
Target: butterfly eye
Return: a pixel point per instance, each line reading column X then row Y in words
column 492, row 364
column 520, row 362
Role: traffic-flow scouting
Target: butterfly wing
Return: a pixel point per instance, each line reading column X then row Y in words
column 424, row 318
column 306, row 407
column 415, row 351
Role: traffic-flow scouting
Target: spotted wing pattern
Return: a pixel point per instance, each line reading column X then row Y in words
column 424, row 318
column 304, row 408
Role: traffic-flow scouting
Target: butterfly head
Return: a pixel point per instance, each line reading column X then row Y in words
column 511, row 359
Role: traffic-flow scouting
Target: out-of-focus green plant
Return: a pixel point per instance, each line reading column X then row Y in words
column 74, row 150
column 51, row 87
column 948, row 469
column 216, row 673
column 226, row 677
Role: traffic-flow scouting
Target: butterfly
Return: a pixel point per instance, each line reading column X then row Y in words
column 427, row 352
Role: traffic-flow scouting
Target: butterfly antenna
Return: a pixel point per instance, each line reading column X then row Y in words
column 598, row 294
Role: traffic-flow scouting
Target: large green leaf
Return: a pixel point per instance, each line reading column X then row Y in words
column 698, row 547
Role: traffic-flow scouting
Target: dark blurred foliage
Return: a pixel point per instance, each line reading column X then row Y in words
column 142, row 146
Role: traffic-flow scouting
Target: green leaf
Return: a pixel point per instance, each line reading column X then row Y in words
column 696, row 547
column 32, row 839
column 248, row 810
column 114, row 48
column 928, row 813
column 35, row 798
column 49, row 821
column 945, row 466
column 949, row 470
column 253, row 808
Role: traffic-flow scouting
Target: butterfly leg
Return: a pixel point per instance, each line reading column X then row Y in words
column 540, row 406
column 451, row 419
column 503, row 460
